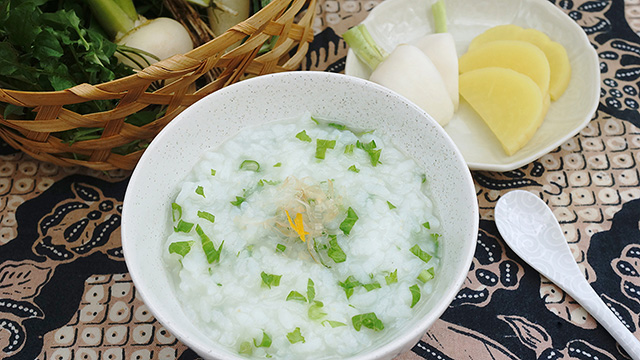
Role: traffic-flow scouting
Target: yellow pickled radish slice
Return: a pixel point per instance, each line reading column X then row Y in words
column 509, row 102
column 556, row 54
column 520, row 56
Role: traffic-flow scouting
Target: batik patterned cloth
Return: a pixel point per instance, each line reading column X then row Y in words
column 65, row 292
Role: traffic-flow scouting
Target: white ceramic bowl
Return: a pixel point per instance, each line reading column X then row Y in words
column 358, row 103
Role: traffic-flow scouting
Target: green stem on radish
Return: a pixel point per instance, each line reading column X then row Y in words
column 439, row 16
column 114, row 16
column 365, row 48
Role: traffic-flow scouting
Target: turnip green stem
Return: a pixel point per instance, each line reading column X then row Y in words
column 439, row 16
column 365, row 48
column 115, row 16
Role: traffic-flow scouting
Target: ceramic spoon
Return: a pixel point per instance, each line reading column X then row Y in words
column 531, row 231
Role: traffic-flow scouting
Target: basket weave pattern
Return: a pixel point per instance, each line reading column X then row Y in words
column 37, row 138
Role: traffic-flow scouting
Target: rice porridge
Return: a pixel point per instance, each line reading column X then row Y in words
column 302, row 239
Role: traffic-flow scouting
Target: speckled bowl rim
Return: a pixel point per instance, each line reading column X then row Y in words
column 150, row 167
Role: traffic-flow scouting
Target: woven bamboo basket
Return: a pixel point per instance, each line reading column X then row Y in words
column 290, row 20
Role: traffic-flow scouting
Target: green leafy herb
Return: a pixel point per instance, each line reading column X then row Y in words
column 368, row 320
column 181, row 248
column 370, row 148
column 311, row 290
column 302, row 136
column 250, row 165
column 176, row 211
column 281, row 248
column 183, row 226
column 349, row 221
column 322, row 146
column 265, row 342
column 371, row 286
column 333, row 323
column 270, row 279
column 295, row 336
column 315, row 311
column 423, row 255
column 277, row 165
column 392, row 278
column 245, row 348
column 213, row 172
column 427, row 225
column 213, row 254
column 349, row 284
column 354, row 169
column 239, row 200
column 200, row 191
column 391, row 206
column 335, row 251
column 294, row 295
column 415, row 294
column 207, row 216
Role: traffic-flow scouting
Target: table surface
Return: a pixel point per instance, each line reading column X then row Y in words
column 85, row 306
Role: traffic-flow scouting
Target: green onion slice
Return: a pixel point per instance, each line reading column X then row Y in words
column 415, row 295
column 423, row 255
column 368, row 320
column 250, row 165
column 295, row 336
column 213, row 254
column 349, row 221
column 183, row 226
column 270, row 279
column 181, row 248
column 207, row 216
column 322, row 146
column 302, row 136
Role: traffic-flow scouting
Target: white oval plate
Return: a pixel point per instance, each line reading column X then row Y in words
column 402, row 21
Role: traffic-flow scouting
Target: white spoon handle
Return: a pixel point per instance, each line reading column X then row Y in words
column 583, row 293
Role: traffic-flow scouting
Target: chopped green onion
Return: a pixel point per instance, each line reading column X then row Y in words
column 424, row 178
column 210, row 250
column 354, row 169
column 311, row 290
column 322, row 146
column 315, row 311
column 200, row 191
column 175, row 208
column 349, row 148
column 265, row 342
column 435, row 237
column 333, row 323
column 207, row 216
column 335, row 252
column 349, row 221
column 281, row 248
column 439, row 16
column 277, row 164
column 250, row 165
column 337, row 126
column 392, row 277
column 423, row 255
column 245, row 348
column 427, row 225
column 264, row 182
column 391, row 206
column 363, row 45
column 239, row 200
column 370, row 148
column 295, row 336
column 270, row 279
column 415, row 295
column 302, row 136
column 372, row 286
column 213, row 172
column 294, row 295
column 183, row 226
column 426, row 275
column 368, row 320
column 314, row 120
column 181, row 248
column 349, row 284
